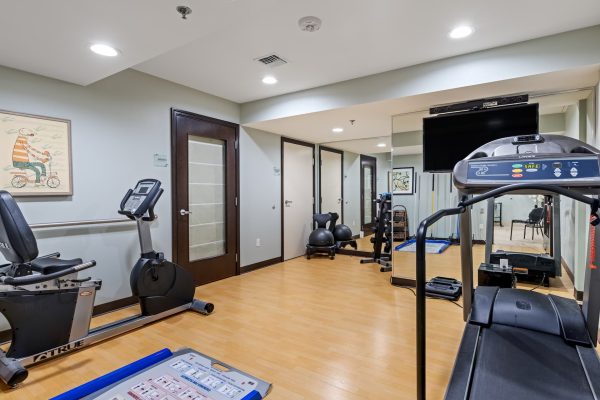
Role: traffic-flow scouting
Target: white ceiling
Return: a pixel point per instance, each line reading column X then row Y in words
column 375, row 119
column 214, row 49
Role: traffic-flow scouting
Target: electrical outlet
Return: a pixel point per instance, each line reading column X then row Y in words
column 257, row 242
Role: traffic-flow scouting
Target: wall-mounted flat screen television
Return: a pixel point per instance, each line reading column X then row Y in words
column 449, row 138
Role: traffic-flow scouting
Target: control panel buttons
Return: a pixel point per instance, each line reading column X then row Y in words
column 517, row 175
column 574, row 172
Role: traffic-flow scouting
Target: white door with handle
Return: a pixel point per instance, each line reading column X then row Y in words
column 298, row 200
column 331, row 182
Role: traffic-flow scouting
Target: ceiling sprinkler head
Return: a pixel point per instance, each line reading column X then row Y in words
column 352, row 122
column 184, row 11
column 309, row 24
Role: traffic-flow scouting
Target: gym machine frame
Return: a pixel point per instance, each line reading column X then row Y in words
column 591, row 301
column 155, row 304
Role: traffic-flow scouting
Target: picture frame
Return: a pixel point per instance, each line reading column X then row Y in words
column 35, row 155
column 402, row 181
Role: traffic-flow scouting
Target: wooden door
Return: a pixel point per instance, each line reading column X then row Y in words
column 205, row 212
column 297, row 196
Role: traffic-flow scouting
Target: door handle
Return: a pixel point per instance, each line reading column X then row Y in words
column 288, row 202
column 183, row 212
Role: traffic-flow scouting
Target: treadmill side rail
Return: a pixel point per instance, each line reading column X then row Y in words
column 460, row 381
column 591, row 365
column 483, row 301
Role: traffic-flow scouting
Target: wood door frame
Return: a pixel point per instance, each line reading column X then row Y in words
column 174, row 213
column 341, row 152
column 300, row 143
column 367, row 159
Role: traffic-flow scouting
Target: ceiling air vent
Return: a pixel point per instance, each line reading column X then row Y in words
column 272, row 60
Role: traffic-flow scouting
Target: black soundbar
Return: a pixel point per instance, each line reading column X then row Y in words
column 479, row 104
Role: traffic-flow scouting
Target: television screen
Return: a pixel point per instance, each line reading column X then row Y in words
column 449, row 138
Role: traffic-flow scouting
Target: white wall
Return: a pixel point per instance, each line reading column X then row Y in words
column 260, row 201
column 118, row 124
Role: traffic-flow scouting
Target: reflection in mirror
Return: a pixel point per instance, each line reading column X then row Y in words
column 529, row 215
column 366, row 164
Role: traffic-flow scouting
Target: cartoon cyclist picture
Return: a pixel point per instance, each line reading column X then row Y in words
column 26, row 157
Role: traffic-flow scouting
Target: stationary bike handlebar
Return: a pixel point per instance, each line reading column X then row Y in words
column 32, row 279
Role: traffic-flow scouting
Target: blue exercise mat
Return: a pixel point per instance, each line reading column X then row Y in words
column 432, row 246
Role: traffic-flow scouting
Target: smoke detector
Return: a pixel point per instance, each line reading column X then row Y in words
column 309, row 24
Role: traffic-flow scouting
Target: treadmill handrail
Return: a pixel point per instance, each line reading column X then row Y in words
column 421, row 263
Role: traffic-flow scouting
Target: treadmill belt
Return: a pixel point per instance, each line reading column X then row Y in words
column 514, row 363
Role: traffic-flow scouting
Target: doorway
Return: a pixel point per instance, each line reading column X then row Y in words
column 331, row 181
column 368, row 193
column 205, row 187
column 297, row 196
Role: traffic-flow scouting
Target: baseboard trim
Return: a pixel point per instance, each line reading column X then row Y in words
column 567, row 270
column 578, row 294
column 352, row 252
column 259, row 265
column 114, row 305
column 404, row 282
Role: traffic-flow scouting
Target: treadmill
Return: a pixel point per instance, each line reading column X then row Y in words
column 521, row 344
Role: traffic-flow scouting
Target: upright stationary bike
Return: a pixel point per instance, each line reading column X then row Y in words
column 49, row 307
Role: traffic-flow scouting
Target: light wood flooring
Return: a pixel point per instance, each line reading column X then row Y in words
column 315, row 329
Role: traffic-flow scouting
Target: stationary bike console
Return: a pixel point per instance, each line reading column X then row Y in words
column 141, row 200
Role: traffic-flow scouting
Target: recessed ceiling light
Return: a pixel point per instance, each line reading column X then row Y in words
column 269, row 80
column 461, row 32
column 337, row 130
column 104, row 50
column 381, row 145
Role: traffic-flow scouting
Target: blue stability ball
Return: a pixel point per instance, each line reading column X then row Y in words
column 342, row 232
column 321, row 237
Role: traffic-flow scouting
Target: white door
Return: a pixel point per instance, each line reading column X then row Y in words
column 331, row 182
column 298, row 200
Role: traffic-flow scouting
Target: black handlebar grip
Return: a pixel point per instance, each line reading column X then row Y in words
column 125, row 199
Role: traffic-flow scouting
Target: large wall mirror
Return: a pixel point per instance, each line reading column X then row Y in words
column 569, row 113
column 352, row 175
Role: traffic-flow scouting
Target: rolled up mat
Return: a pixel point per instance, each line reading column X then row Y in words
column 115, row 376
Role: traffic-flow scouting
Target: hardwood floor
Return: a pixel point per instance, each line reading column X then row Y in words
column 315, row 329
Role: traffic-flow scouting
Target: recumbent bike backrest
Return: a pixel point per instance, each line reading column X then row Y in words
column 17, row 242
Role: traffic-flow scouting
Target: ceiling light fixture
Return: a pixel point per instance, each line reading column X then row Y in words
column 337, row 130
column 269, row 80
column 381, row 145
column 461, row 32
column 104, row 50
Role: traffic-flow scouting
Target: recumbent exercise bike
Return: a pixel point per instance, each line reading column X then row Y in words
column 49, row 308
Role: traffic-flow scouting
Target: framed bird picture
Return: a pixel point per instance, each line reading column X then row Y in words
column 35, row 155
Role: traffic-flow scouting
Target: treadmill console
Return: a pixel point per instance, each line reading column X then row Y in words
column 141, row 199
column 551, row 160
column 512, row 171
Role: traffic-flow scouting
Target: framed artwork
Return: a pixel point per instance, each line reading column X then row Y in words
column 35, row 155
column 402, row 181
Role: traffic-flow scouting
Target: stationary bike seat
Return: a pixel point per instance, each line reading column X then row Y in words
column 49, row 265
